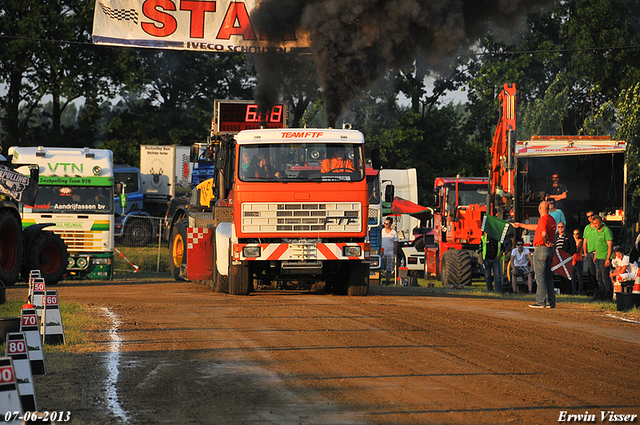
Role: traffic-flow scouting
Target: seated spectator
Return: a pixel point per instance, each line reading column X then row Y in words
column 521, row 263
column 623, row 270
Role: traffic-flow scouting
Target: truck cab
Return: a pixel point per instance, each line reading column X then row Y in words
column 133, row 225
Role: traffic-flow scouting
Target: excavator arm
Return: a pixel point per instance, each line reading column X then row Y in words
column 502, row 154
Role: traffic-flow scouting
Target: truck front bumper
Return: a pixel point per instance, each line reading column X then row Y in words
column 301, row 251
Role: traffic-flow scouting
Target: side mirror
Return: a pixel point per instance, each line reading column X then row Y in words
column 389, row 193
column 123, row 201
column 375, row 158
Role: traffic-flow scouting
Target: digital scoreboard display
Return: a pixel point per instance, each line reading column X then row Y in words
column 233, row 116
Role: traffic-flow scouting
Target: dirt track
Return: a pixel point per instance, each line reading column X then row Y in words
column 182, row 354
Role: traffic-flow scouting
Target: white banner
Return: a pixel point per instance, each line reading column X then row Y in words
column 214, row 26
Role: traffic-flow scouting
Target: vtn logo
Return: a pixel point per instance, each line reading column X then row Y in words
column 340, row 220
column 66, row 167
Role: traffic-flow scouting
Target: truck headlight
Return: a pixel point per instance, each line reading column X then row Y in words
column 374, row 262
column 101, row 261
column 82, row 262
column 251, row 251
column 71, row 262
column 374, row 251
column 351, row 251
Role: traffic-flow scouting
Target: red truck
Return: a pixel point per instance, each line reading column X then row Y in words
column 460, row 203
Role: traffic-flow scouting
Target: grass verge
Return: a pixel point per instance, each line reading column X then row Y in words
column 79, row 321
column 478, row 288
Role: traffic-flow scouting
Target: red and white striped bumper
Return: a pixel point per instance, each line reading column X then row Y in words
column 299, row 251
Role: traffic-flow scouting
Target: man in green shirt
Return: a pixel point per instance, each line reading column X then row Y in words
column 603, row 238
column 589, row 251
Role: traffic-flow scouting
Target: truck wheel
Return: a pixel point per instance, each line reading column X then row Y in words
column 444, row 269
column 358, row 279
column 11, row 248
column 240, row 279
column 47, row 253
column 456, row 268
column 139, row 232
column 178, row 247
column 220, row 283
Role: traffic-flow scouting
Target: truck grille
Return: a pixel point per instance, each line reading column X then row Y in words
column 374, row 217
column 264, row 217
column 82, row 240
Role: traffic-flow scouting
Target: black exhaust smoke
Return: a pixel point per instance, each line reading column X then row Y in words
column 355, row 42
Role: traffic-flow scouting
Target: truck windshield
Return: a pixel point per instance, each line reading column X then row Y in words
column 74, row 199
column 301, row 162
column 469, row 194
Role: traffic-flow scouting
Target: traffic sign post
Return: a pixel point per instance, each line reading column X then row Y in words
column 9, row 396
column 16, row 348
column 37, row 295
column 53, row 331
column 29, row 326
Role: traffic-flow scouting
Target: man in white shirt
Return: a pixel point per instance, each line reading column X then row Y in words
column 389, row 249
column 521, row 262
column 623, row 270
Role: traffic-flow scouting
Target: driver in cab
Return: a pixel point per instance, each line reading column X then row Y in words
column 338, row 163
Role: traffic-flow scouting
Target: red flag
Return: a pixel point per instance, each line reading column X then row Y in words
column 403, row 206
column 562, row 263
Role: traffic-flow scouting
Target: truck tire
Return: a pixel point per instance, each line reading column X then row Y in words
column 178, row 247
column 47, row 253
column 240, row 281
column 220, row 283
column 138, row 232
column 456, row 268
column 358, row 285
column 11, row 248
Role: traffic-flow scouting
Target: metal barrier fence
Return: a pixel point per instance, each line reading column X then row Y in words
column 141, row 244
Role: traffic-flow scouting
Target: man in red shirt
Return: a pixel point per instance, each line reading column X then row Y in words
column 543, row 256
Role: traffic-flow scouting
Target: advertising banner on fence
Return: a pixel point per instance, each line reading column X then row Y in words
column 214, row 26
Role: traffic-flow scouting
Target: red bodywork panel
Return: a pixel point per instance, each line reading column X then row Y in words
column 200, row 253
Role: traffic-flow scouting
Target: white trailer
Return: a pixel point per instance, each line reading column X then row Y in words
column 165, row 170
column 405, row 183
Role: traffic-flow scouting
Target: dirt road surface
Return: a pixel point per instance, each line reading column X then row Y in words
column 177, row 353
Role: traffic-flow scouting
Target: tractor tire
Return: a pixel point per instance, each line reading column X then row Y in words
column 139, row 232
column 444, row 269
column 178, row 247
column 240, row 279
column 456, row 268
column 358, row 284
column 11, row 248
column 47, row 253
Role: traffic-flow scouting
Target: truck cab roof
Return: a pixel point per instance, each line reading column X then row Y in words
column 299, row 135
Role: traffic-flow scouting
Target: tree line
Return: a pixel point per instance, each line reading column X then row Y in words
column 576, row 66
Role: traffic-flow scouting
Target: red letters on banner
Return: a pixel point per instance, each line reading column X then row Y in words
column 236, row 20
column 166, row 23
column 197, row 8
